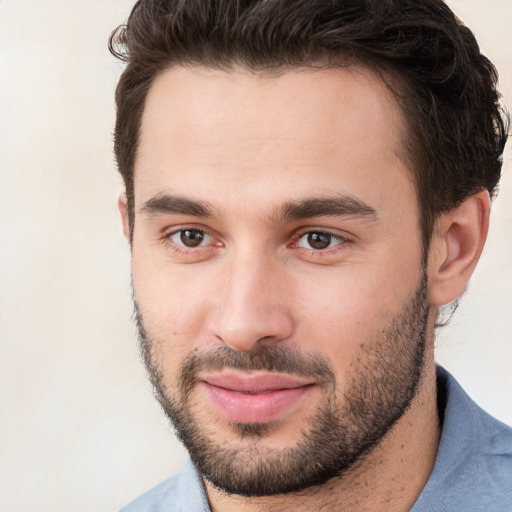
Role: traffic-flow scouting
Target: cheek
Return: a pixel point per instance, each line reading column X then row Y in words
column 348, row 312
column 335, row 322
column 173, row 308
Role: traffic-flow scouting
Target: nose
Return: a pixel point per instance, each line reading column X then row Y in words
column 253, row 305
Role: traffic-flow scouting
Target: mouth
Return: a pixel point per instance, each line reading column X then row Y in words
column 254, row 398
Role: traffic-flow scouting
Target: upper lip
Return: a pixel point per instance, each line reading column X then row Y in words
column 255, row 382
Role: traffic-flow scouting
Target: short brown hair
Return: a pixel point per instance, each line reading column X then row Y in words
column 445, row 87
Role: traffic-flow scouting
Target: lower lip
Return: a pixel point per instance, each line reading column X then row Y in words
column 258, row 408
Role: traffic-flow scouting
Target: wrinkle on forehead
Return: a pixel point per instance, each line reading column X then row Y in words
column 256, row 113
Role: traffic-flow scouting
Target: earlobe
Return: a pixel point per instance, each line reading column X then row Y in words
column 457, row 244
column 122, row 205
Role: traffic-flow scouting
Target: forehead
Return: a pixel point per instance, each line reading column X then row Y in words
column 236, row 129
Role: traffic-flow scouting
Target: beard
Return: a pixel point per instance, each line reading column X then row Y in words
column 345, row 427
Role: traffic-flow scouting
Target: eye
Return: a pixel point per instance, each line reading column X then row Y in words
column 318, row 240
column 190, row 238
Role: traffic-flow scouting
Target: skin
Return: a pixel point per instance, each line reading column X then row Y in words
column 247, row 145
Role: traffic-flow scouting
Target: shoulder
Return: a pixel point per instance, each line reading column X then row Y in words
column 156, row 498
column 182, row 492
column 473, row 468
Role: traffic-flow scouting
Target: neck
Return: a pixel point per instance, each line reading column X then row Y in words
column 390, row 478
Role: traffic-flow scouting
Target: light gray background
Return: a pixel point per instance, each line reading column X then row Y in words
column 79, row 429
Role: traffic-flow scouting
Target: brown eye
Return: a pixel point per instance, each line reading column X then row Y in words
column 318, row 241
column 189, row 237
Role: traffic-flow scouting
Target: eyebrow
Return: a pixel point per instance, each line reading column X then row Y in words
column 168, row 204
column 343, row 205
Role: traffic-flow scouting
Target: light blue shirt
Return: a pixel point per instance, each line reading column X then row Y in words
column 472, row 472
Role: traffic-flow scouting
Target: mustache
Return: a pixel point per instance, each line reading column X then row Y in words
column 264, row 357
column 271, row 358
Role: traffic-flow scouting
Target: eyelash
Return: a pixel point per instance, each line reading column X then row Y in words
column 341, row 242
column 183, row 249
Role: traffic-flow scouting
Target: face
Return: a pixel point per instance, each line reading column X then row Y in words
column 277, row 271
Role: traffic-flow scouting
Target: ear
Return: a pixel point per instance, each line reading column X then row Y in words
column 456, row 246
column 122, row 204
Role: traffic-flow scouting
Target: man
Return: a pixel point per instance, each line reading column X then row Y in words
column 307, row 184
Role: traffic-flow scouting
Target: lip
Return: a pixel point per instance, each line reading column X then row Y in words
column 254, row 398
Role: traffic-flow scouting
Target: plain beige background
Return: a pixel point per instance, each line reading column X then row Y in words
column 79, row 429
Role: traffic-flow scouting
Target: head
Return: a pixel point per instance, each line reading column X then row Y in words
column 305, row 183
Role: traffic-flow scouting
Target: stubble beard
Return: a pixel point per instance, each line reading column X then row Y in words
column 342, row 431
